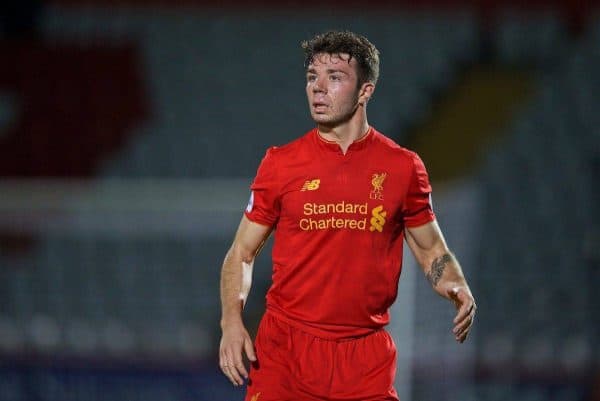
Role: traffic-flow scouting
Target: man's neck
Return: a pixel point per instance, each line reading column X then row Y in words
column 345, row 134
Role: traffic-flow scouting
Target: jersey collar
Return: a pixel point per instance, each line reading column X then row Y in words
column 360, row 143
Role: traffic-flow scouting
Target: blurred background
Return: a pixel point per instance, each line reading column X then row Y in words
column 130, row 132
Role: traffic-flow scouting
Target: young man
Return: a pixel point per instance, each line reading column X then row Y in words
column 341, row 200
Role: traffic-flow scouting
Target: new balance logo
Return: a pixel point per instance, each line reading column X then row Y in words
column 311, row 185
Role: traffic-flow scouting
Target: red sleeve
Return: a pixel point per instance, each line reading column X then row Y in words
column 417, row 206
column 263, row 207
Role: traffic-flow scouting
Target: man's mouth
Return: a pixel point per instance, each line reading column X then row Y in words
column 319, row 106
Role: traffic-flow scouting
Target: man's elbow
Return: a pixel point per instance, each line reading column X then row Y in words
column 241, row 253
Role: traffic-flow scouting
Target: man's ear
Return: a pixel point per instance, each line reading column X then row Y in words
column 365, row 93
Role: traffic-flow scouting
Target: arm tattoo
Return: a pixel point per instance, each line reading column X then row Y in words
column 437, row 269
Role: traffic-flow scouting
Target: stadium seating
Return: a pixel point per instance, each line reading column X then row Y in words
column 538, row 188
column 208, row 119
column 219, row 97
column 203, row 81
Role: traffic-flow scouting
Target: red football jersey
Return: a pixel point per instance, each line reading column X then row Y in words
column 339, row 228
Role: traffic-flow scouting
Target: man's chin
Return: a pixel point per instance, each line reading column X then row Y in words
column 322, row 119
column 328, row 121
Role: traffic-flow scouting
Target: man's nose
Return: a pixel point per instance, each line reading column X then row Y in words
column 320, row 85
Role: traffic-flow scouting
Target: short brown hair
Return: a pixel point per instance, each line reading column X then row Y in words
column 355, row 45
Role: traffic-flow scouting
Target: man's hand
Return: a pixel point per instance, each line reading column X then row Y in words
column 465, row 305
column 234, row 342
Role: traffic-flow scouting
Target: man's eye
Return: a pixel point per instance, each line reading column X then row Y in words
column 334, row 77
column 311, row 78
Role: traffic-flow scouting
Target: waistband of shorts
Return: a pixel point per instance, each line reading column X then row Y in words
column 324, row 334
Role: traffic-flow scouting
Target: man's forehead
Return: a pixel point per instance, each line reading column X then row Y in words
column 339, row 60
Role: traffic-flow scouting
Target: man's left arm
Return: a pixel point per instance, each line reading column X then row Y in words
column 443, row 273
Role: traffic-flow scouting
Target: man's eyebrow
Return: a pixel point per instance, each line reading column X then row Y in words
column 329, row 71
column 333, row 71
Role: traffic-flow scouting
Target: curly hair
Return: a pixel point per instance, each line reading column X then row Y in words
column 355, row 45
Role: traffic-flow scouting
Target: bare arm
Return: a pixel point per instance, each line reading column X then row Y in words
column 443, row 273
column 236, row 277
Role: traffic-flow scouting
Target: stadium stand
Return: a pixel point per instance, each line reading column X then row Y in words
column 539, row 204
column 201, row 115
column 202, row 89
column 206, row 108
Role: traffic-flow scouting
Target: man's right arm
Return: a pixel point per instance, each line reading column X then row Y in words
column 236, row 276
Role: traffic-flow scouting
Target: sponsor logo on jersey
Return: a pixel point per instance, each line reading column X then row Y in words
column 378, row 219
column 341, row 215
column 377, row 182
column 311, row 185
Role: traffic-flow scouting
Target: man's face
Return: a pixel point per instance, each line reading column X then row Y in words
column 332, row 88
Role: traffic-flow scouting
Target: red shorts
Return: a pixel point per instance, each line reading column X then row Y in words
column 293, row 365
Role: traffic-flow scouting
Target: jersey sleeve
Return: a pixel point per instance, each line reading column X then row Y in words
column 417, row 207
column 264, row 204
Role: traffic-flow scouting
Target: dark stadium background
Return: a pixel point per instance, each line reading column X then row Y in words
column 130, row 131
